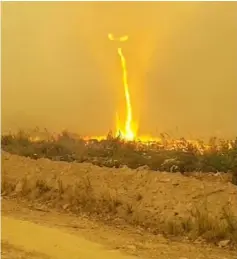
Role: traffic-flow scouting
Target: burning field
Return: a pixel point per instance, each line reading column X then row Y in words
column 164, row 155
column 94, row 175
column 127, row 147
column 138, row 71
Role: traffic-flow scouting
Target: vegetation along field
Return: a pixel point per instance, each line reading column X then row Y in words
column 175, row 188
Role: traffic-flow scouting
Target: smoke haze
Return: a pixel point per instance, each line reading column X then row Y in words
column 60, row 71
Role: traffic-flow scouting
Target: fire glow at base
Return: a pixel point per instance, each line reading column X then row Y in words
column 126, row 132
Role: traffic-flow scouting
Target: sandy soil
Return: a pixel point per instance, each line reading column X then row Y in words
column 149, row 196
column 52, row 242
column 153, row 195
column 10, row 251
column 31, row 233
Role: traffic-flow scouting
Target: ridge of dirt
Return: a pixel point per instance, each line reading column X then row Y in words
column 129, row 240
column 156, row 201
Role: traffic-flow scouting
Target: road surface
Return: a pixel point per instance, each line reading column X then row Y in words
column 51, row 242
column 37, row 233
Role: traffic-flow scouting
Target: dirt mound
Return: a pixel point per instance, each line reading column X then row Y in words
column 162, row 202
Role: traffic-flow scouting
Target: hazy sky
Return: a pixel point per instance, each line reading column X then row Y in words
column 59, row 70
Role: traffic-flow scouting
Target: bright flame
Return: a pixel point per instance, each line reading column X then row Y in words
column 128, row 133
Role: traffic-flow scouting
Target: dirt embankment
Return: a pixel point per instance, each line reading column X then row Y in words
column 166, row 203
column 20, row 241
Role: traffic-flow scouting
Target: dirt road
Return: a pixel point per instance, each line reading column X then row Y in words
column 39, row 234
column 52, row 242
column 48, row 211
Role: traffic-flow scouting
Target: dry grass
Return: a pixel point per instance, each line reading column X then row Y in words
column 166, row 155
column 81, row 197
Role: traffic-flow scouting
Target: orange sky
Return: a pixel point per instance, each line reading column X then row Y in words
column 59, row 70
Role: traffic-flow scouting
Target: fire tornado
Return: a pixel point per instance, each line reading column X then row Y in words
column 128, row 132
